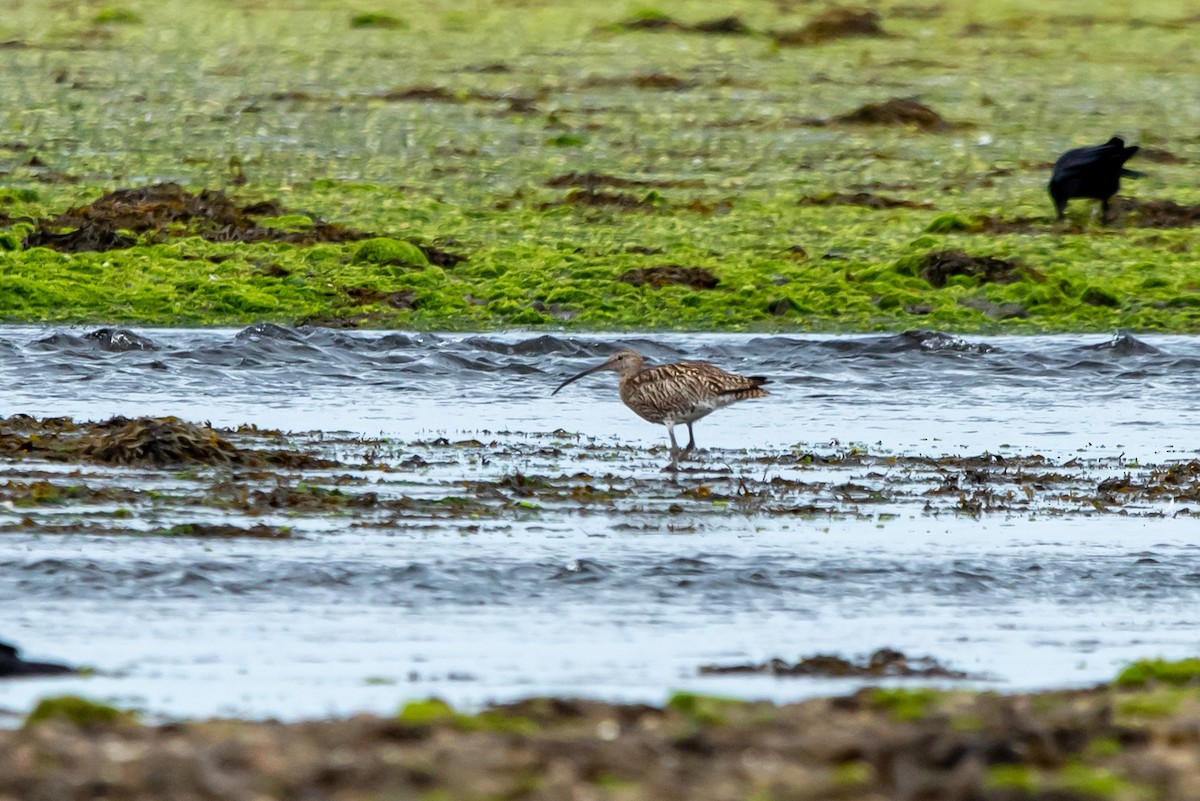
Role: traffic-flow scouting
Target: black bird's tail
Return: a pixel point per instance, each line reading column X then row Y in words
column 1128, row 173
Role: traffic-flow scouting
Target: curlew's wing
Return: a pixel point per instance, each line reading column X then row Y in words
column 686, row 390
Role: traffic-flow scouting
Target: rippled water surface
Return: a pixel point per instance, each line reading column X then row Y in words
column 623, row 601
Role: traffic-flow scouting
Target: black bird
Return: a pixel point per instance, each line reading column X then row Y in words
column 11, row 664
column 1093, row 172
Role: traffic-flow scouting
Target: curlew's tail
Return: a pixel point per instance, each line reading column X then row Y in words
column 751, row 389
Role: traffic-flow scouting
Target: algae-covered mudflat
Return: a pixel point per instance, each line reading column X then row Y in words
column 690, row 165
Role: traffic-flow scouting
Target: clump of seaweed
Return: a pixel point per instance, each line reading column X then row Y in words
column 670, row 274
column 113, row 221
column 140, row 442
column 79, row 712
column 643, row 80
column 1158, row 213
column 161, row 442
column 938, row 267
column 593, row 180
column 895, row 111
column 592, row 198
column 836, row 23
column 377, row 19
column 884, row 663
column 226, row 531
column 651, row 20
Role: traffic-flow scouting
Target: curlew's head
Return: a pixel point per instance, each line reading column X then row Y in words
column 623, row 363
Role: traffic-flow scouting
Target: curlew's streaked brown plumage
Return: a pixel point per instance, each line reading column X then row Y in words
column 671, row 394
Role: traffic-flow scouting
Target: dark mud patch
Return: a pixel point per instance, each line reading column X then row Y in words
column 1157, row 213
column 729, row 26
column 884, row 663
column 895, row 743
column 425, row 94
column 1158, row 155
column 897, row 111
column 593, row 181
column 836, row 23
column 404, row 299
column 512, row 103
column 865, row 199
column 341, row 322
column 937, row 268
column 917, row 11
column 670, row 275
column 658, row 81
column 438, row 257
column 12, row 665
column 163, row 210
column 593, row 198
column 999, row 225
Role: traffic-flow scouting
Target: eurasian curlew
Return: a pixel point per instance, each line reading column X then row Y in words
column 670, row 394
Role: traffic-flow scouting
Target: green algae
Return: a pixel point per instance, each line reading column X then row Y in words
column 1159, row 671
column 1150, row 705
column 903, row 703
column 374, row 19
column 433, row 711
column 731, row 155
column 703, row 710
column 81, row 712
column 117, row 16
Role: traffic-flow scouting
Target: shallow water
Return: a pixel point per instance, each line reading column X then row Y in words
column 626, row 601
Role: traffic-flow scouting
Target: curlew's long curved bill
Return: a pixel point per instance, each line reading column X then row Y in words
column 588, row 371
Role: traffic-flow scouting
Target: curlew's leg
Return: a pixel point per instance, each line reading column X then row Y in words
column 674, row 449
column 691, row 446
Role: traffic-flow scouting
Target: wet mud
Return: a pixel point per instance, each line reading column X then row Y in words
column 877, row 743
column 884, row 663
column 836, row 23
